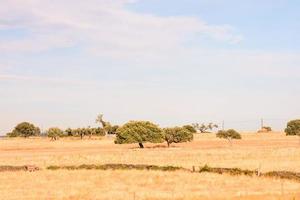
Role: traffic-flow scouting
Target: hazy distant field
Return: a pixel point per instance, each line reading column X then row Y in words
column 270, row 151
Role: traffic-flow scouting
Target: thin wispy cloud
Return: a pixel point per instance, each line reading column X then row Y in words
column 101, row 26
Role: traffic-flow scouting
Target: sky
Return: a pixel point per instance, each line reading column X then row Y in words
column 173, row 62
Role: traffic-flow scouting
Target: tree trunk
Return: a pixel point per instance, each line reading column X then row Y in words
column 103, row 126
column 230, row 141
column 141, row 145
column 168, row 144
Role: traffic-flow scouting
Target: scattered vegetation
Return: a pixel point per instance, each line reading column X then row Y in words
column 25, row 129
column 81, row 132
column 117, row 167
column 293, row 127
column 139, row 132
column 204, row 169
column 284, row 175
column 6, row 168
column 177, row 135
column 231, row 171
column 202, row 128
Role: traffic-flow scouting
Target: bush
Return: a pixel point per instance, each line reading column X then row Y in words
column 265, row 129
column 139, row 132
column 293, row 127
column 177, row 135
column 12, row 134
column 25, row 129
column 229, row 135
column 54, row 133
column 190, row 128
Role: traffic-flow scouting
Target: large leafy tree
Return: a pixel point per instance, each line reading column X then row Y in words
column 177, row 135
column 293, row 127
column 139, row 132
column 26, row 129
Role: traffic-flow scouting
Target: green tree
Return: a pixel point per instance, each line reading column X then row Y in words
column 190, row 128
column 69, row 132
column 139, row 132
column 177, row 135
column 229, row 135
column 293, row 127
column 26, row 129
column 54, row 133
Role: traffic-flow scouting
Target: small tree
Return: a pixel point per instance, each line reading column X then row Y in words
column 190, row 128
column 139, row 132
column 100, row 120
column 177, row 135
column 229, row 135
column 204, row 128
column 26, row 129
column 293, row 127
column 69, row 132
column 54, row 133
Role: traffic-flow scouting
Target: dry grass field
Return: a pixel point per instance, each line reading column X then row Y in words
column 271, row 151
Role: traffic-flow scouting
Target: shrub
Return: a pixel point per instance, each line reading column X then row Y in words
column 229, row 135
column 12, row 134
column 190, row 128
column 177, row 135
column 139, row 132
column 293, row 127
column 54, row 133
column 25, row 129
column 265, row 129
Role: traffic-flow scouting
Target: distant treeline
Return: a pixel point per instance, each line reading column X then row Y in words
column 139, row 132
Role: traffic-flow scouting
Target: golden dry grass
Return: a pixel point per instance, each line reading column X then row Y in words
column 272, row 151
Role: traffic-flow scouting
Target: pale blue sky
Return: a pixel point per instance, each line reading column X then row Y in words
column 172, row 62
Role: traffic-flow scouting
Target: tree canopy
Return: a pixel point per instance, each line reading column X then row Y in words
column 177, row 135
column 293, row 127
column 25, row 129
column 139, row 132
column 54, row 133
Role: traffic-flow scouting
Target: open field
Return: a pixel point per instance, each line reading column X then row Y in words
column 272, row 151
